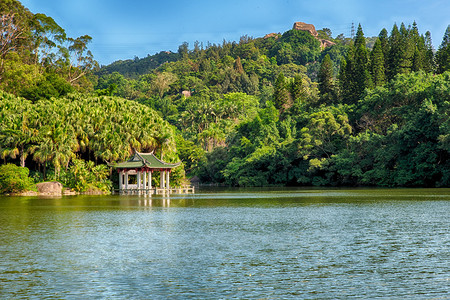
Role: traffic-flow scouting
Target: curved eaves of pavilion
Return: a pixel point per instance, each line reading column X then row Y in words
column 143, row 165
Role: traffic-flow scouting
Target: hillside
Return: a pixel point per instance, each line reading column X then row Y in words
column 292, row 108
column 139, row 66
column 282, row 109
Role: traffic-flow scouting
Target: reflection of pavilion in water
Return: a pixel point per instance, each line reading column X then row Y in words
column 147, row 200
column 165, row 202
column 135, row 175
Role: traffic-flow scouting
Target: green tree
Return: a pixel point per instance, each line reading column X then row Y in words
column 83, row 176
column 51, row 85
column 325, row 79
column 18, row 133
column 83, row 58
column 407, row 47
column 349, row 89
column 296, row 46
column 362, row 74
column 324, row 134
column 418, row 43
column 14, row 179
column 443, row 54
column 377, row 64
column 47, row 35
column 384, row 42
column 395, row 53
column 15, row 29
column 429, row 64
column 281, row 96
column 297, row 89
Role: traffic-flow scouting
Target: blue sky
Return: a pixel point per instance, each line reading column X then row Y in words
column 122, row 29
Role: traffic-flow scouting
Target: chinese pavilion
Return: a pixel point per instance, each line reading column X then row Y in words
column 142, row 165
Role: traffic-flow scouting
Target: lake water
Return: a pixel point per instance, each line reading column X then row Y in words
column 228, row 244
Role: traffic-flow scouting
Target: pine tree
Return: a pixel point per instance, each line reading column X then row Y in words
column 395, row 53
column 407, row 49
column 418, row 58
column 443, row 54
column 281, row 96
column 347, row 77
column 377, row 64
column 355, row 77
column 361, row 75
column 297, row 89
column 359, row 38
column 325, row 79
column 429, row 65
column 384, row 41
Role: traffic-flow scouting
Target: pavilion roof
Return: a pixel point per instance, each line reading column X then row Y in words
column 145, row 160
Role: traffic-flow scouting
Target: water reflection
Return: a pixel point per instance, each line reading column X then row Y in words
column 148, row 202
column 285, row 244
column 143, row 201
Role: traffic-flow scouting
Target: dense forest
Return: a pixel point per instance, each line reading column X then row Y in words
column 283, row 109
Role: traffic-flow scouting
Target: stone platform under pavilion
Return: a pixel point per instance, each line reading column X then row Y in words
column 142, row 166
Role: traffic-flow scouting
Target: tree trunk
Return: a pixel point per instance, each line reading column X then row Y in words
column 22, row 157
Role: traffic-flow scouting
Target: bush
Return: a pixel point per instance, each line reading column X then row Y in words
column 14, row 179
column 83, row 176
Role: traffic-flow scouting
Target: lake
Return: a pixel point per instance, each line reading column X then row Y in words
column 228, row 244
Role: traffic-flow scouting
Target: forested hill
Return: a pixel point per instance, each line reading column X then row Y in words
column 139, row 66
column 301, row 107
column 283, row 109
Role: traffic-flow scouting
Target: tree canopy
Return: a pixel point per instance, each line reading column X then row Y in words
column 277, row 110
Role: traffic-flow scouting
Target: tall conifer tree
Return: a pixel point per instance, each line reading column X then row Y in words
column 377, row 64
column 354, row 77
column 429, row 65
column 395, row 53
column 281, row 96
column 325, row 79
column 443, row 54
column 359, row 38
column 362, row 75
column 418, row 48
column 407, row 49
column 347, row 77
column 297, row 89
column 384, row 42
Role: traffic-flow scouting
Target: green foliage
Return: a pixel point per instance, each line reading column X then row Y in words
column 51, row 85
column 354, row 74
column 377, row 64
column 296, row 46
column 281, row 96
column 83, row 176
column 189, row 153
column 325, row 79
column 409, row 116
column 443, row 54
column 14, row 179
column 55, row 131
column 254, row 112
column 37, row 59
column 16, row 75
